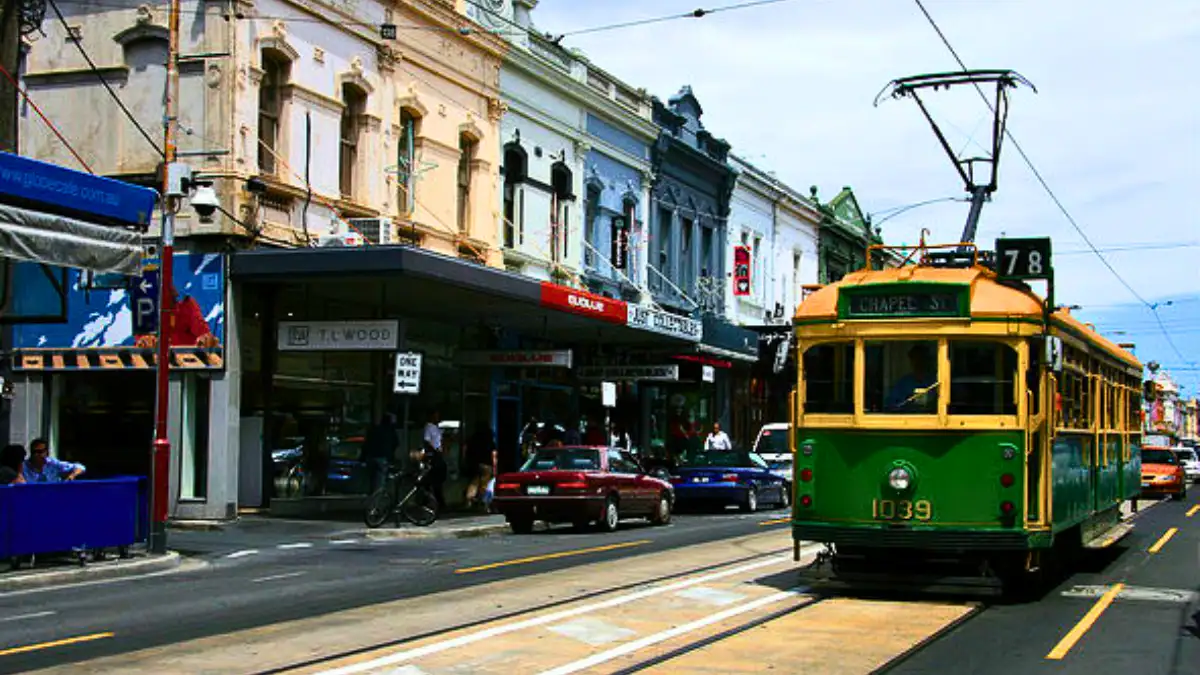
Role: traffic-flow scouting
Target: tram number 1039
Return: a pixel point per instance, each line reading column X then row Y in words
column 901, row 509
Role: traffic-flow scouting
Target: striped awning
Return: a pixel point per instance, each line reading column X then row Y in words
column 128, row 358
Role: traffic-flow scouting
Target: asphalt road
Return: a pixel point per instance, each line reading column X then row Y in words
column 1151, row 627
column 300, row 571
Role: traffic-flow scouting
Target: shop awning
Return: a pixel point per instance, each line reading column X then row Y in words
column 67, row 242
column 417, row 282
column 729, row 341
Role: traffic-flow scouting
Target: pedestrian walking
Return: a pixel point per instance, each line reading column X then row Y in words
column 432, row 442
column 718, row 440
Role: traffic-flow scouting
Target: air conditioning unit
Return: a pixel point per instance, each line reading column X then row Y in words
column 340, row 240
column 375, row 230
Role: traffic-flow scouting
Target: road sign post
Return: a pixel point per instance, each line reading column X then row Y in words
column 144, row 302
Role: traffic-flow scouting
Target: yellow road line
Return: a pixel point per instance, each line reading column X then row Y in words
column 1192, row 511
column 55, row 643
column 552, row 556
column 775, row 521
column 1162, row 541
column 1064, row 645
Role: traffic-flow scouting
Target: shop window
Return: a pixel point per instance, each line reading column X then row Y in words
column 829, row 378
column 276, row 69
column 193, row 456
column 982, row 378
column 590, row 228
column 901, row 377
column 684, row 272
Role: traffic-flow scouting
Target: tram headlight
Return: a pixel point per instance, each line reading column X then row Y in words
column 899, row 478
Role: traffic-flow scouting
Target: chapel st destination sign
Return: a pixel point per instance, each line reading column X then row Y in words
column 902, row 303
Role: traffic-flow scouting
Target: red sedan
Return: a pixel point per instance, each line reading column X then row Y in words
column 579, row 485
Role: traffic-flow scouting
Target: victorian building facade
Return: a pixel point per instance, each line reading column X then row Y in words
column 846, row 234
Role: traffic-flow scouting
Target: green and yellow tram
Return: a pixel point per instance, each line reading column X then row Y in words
column 950, row 430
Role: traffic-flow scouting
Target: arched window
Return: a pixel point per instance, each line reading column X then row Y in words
column 406, row 160
column 590, row 231
column 622, row 236
column 354, row 100
column 276, row 70
column 466, row 155
column 560, row 212
column 516, row 168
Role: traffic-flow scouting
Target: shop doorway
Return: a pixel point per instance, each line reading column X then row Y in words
column 508, row 433
column 105, row 421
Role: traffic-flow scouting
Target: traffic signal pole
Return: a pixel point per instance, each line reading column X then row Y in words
column 160, row 451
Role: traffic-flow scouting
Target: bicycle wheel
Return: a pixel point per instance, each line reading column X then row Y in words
column 420, row 507
column 379, row 507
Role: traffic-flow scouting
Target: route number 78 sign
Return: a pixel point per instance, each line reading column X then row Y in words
column 1027, row 258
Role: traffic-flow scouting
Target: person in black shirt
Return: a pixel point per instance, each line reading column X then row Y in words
column 11, row 460
column 481, row 463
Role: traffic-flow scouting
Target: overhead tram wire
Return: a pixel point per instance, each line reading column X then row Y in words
column 1046, row 186
column 695, row 14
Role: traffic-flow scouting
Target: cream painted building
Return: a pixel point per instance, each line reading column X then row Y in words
column 344, row 130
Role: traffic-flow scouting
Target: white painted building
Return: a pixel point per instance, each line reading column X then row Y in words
column 574, row 148
column 779, row 226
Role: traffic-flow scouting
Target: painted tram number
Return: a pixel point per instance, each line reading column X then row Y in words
column 901, row 509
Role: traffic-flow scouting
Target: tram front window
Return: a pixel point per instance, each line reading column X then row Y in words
column 829, row 378
column 982, row 377
column 901, row 377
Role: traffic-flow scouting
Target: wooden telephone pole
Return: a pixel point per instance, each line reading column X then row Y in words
column 10, row 58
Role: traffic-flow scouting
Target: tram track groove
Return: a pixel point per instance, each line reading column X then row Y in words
column 517, row 613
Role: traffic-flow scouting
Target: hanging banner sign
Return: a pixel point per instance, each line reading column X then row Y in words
column 556, row 358
column 741, row 270
column 667, row 373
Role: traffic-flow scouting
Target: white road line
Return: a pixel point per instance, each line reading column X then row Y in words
column 273, row 577
column 297, row 545
column 649, row 640
column 478, row 636
column 243, row 554
column 338, row 542
column 22, row 617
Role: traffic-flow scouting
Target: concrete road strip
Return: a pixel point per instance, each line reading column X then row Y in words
column 24, row 617
column 407, row 655
column 1158, row 545
column 54, row 643
column 690, row 627
column 553, row 556
column 1075, row 634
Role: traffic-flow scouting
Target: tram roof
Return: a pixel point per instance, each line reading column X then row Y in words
column 989, row 300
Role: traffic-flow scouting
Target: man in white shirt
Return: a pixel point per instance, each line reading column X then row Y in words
column 433, row 447
column 718, row 440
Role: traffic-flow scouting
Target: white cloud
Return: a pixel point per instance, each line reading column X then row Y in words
column 1113, row 128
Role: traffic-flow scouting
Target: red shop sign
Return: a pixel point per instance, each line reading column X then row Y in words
column 583, row 303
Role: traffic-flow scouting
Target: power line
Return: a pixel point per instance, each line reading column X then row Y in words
column 100, row 76
column 1038, row 175
column 694, row 14
column 53, row 128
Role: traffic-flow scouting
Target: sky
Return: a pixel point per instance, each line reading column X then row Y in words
column 1113, row 127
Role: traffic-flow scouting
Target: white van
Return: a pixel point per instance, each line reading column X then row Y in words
column 772, row 446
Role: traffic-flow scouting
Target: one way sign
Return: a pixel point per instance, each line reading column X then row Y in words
column 144, row 301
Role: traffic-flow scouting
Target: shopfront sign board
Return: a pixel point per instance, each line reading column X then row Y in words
column 408, row 373
column 583, row 303
column 560, row 358
column 663, row 373
column 664, row 323
column 608, row 394
column 338, row 335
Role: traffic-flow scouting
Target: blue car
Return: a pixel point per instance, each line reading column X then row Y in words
column 724, row 477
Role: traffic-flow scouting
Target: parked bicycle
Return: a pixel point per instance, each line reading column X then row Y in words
column 404, row 493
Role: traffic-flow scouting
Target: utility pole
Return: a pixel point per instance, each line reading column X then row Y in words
column 160, row 452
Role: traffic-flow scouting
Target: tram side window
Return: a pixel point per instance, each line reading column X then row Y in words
column 982, row 377
column 901, row 377
column 829, row 378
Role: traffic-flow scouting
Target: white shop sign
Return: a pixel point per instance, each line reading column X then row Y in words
column 666, row 373
column 337, row 335
column 664, row 323
column 408, row 373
